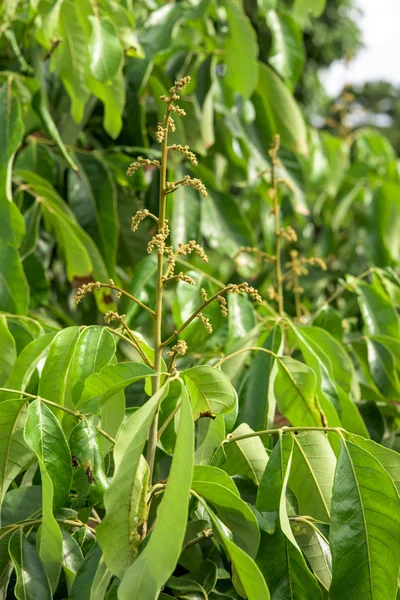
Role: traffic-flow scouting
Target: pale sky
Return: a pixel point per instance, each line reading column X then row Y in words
column 380, row 58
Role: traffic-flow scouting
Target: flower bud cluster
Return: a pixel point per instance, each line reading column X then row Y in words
column 206, row 322
column 86, row 288
column 289, row 234
column 244, row 288
column 140, row 163
column 138, row 218
column 158, row 240
column 186, row 151
column 180, row 348
column 196, row 184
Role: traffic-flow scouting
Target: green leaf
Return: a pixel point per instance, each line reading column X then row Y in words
column 111, row 379
column 241, row 51
column 365, row 528
column 245, row 457
column 21, row 504
column 317, row 551
column 32, row 581
column 146, row 576
column 389, row 459
column 160, row 27
column 277, row 112
column 101, row 581
column 105, row 51
column 382, row 367
column 382, row 242
column 14, row 292
column 286, row 53
column 257, row 403
column 215, row 486
column 379, row 314
column 69, row 60
column 93, row 198
column 94, row 350
column 55, row 374
column 312, row 473
column 14, row 453
column 279, row 558
column 85, row 445
column 8, row 353
column 27, row 362
column 72, row 558
column 44, row 435
column 40, row 103
column 246, row 575
column 213, row 437
column 112, row 94
column 210, row 390
column 295, row 387
column 125, row 500
column 302, row 8
column 84, row 578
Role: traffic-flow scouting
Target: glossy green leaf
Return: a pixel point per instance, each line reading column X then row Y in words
column 94, row 350
column 72, row 558
column 277, row 112
column 215, row 486
column 389, row 459
column 44, row 435
column 365, row 528
column 245, row 457
column 112, row 95
column 246, row 574
column 85, row 445
column 20, row 504
column 213, row 437
column 210, row 390
column 101, row 581
column 46, row 438
column 316, row 549
column 14, row 454
column 93, row 198
column 124, row 501
column 69, row 60
column 286, row 54
column 8, row 353
column 84, row 578
column 111, row 380
column 145, row 577
column 379, row 315
column 295, row 389
column 312, row 473
column 240, row 51
column 257, row 403
column 55, row 374
column 279, row 558
column 381, row 363
column 104, row 49
column 32, row 581
column 27, row 363
column 14, row 292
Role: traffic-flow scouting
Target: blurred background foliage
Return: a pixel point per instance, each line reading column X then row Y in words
column 80, row 100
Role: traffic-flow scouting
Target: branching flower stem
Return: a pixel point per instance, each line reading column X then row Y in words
column 128, row 295
column 158, row 347
column 276, row 211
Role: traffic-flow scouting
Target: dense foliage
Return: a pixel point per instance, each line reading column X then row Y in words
column 232, row 430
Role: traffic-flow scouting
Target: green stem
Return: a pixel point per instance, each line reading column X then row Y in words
column 125, row 293
column 193, row 316
column 75, row 413
column 278, row 267
column 281, row 430
column 158, row 348
column 249, row 349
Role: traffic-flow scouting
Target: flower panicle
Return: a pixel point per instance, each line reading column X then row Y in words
column 141, row 163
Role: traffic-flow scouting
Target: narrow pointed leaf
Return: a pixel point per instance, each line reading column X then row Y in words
column 32, row 582
column 14, row 453
column 8, row 353
column 216, row 487
column 389, row 459
column 144, row 579
column 317, row 551
column 72, row 558
column 279, row 557
column 125, row 499
column 246, row 573
column 55, row 373
column 105, row 51
column 101, row 581
column 84, row 578
column 257, row 403
column 312, row 473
